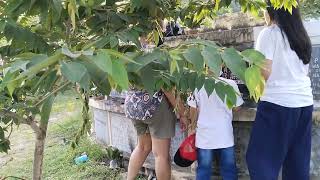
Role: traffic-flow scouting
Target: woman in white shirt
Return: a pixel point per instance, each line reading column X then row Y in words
column 281, row 134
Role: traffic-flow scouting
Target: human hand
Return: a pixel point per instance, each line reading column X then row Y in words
column 183, row 123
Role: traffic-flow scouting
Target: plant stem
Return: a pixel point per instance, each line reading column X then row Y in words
column 53, row 92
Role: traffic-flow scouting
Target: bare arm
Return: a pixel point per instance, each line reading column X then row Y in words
column 177, row 103
column 193, row 115
column 236, row 109
column 267, row 69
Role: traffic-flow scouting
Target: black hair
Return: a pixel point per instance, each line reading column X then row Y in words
column 292, row 26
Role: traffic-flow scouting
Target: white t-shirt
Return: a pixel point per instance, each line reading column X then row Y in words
column 289, row 84
column 214, row 126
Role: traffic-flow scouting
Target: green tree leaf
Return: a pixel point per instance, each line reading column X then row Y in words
column 255, row 82
column 4, row 145
column 73, row 71
column 148, row 78
column 234, row 62
column 99, row 77
column 200, row 82
column 209, row 86
column 173, row 66
column 142, row 61
column 220, row 90
column 113, row 41
column 10, row 82
column 213, row 59
column 49, row 81
column 57, row 9
column 254, row 57
column 73, row 11
column 192, row 77
column 231, row 98
column 46, row 109
column 119, row 74
column 183, row 84
column 19, row 65
column 103, row 61
column 1, row 134
column 193, row 55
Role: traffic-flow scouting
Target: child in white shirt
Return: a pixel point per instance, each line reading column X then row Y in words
column 214, row 132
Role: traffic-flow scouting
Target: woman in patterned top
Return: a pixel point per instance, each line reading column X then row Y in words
column 154, row 120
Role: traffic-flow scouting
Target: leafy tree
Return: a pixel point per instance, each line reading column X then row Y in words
column 54, row 45
column 310, row 9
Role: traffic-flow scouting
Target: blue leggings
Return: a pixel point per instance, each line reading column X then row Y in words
column 281, row 137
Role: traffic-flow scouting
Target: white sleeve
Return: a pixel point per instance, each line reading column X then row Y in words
column 239, row 98
column 266, row 43
column 193, row 99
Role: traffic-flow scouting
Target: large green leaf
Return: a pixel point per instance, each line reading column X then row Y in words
column 220, row 90
column 173, row 66
column 192, row 77
column 19, row 65
column 200, row 81
column 4, row 145
column 148, row 78
column 99, row 77
column 10, row 82
column 213, row 59
column 143, row 61
column 76, row 73
column 57, row 9
column 2, row 25
column 234, row 62
column 73, row 11
column 254, row 57
column 103, row 61
column 49, row 81
column 85, row 81
column 46, row 109
column 40, row 66
column 183, row 84
column 231, row 98
column 13, row 6
column 119, row 74
column 193, row 55
column 73, row 71
column 209, row 85
column 1, row 134
column 255, row 82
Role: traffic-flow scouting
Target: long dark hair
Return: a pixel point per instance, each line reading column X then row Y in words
column 292, row 26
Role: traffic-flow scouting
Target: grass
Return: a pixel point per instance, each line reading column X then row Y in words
column 59, row 156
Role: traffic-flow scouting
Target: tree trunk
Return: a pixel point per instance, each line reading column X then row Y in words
column 39, row 151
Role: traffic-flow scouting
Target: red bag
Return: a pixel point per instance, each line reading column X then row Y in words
column 187, row 152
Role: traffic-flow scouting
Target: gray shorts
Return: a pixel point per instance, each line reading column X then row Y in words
column 161, row 125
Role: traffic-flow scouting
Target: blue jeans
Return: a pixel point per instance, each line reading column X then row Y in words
column 228, row 168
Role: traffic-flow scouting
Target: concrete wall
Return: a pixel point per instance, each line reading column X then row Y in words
column 112, row 128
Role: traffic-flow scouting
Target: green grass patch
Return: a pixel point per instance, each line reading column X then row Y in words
column 59, row 156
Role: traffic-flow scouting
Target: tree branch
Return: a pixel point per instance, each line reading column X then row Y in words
column 29, row 121
column 7, row 113
column 53, row 92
